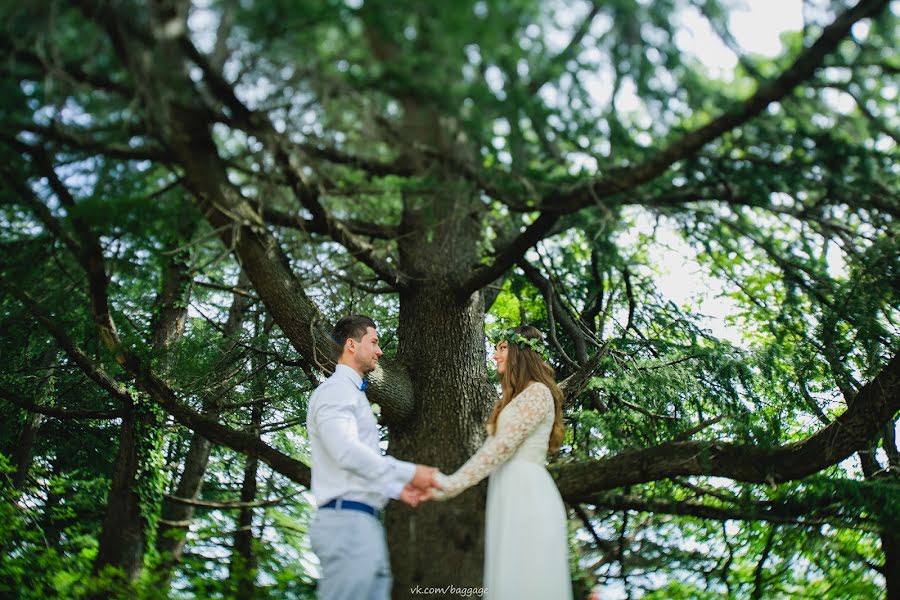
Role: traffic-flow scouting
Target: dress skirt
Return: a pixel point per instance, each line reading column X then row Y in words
column 526, row 535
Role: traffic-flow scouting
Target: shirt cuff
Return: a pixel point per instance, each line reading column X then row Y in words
column 393, row 490
column 404, row 472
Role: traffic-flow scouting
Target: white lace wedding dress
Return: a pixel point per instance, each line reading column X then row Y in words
column 526, row 546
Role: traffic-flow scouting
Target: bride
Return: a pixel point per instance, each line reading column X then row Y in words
column 526, row 547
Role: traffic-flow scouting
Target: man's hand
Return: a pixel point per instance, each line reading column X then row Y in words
column 424, row 479
column 411, row 496
column 421, row 487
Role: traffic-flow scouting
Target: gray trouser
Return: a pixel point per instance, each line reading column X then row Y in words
column 353, row 553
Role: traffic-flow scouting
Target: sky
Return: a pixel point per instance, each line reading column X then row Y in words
column 755, row 25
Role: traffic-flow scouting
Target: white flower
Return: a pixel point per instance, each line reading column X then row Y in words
column 376, row 409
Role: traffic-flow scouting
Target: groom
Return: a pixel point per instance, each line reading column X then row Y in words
column 351, row 479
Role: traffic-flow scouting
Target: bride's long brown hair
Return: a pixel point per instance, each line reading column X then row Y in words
column 522, row 366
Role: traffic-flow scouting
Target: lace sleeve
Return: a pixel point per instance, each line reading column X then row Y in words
column 526, row 411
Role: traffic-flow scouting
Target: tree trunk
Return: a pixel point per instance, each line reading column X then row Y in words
column 441, row 341
column 242, row 570
column 123, row 538
column 170, row 540
column 441, row 543
column 243, row 558
column 890, row 541
column 759, row 574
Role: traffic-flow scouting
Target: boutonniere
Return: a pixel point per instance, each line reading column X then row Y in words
column 376, row 410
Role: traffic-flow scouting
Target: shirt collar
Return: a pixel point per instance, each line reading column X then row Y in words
column 350, row 373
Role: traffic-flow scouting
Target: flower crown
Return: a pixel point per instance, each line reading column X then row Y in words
column 514, row 337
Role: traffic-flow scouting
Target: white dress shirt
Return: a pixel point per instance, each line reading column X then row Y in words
column 347, row 462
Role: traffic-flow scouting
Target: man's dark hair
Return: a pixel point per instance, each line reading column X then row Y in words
column 351, row 326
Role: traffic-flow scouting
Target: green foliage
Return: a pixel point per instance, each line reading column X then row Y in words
column 475, row 112
column 676, row 590
column 31, row 568
column 150, row 479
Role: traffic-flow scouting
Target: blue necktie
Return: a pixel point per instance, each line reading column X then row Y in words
column 364, row 385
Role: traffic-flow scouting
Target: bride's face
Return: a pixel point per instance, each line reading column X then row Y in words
column 500, row 352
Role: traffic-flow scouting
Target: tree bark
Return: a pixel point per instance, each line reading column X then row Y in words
column 759, row 574
column 890, row 540
column 122, row 539
column 441, row 341
column 170, row 540
column 442, row 347
column 51, row 524
column 242, row 570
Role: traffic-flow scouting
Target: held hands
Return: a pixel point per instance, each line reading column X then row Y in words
column 424, row 485
column 442, row 492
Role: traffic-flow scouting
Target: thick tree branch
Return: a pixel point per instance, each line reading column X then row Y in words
column 509, row 255
column 372, row 167
column 91, row 259
column 592, row 310
column 575, row 383
column 309, row 198
column 875, row 404
column 72, row 71
column 90, row 254
column 31, row 200
column 604, row 546
column 876, row 122
column 759, row 579
column 632, row 303
column 212, row 430
column 219, row 505
column 808, row 515
column 269, row 271
column 691, row 431
column 81, row 359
